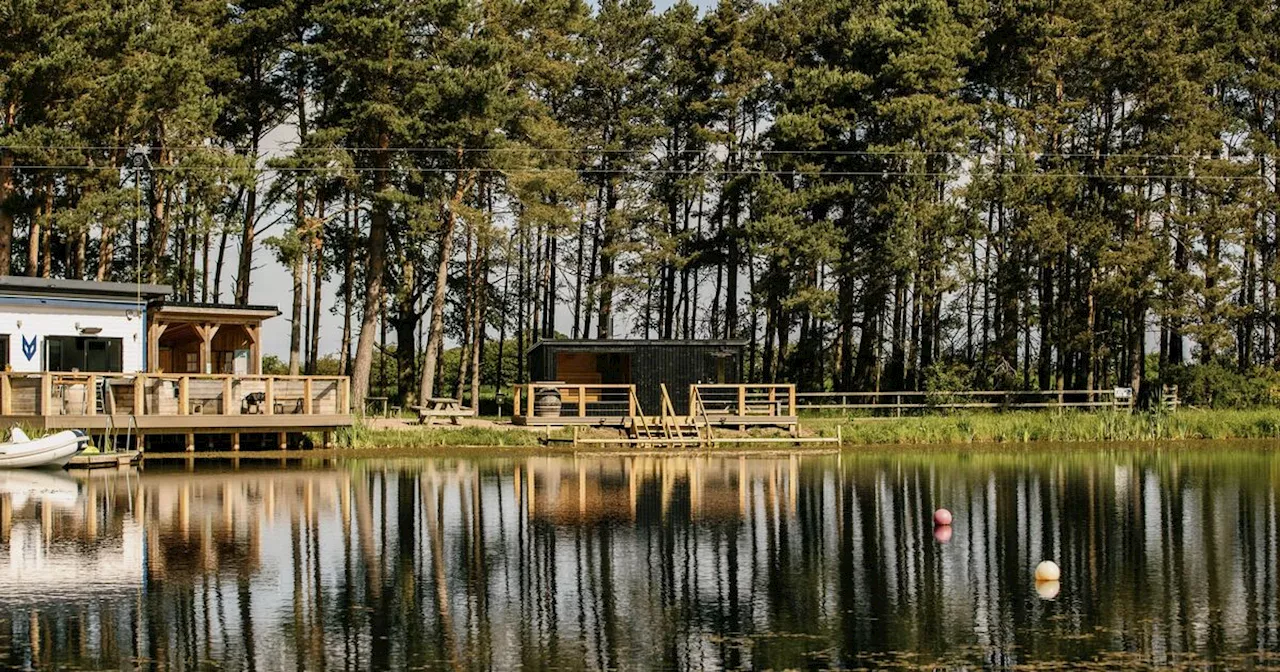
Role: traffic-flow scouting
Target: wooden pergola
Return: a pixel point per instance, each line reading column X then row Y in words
column 185, row 337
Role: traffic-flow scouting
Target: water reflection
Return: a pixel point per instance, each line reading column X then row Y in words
column 646, row 562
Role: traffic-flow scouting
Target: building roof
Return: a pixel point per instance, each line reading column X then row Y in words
column 17, row 285
column 187, row 308
column 595, row 343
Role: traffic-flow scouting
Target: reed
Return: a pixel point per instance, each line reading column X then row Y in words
column 363, row 436
column 1024, row 426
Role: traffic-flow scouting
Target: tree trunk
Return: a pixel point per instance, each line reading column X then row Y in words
column 435, row 337
column 376, row 269
column 247, row 235
column 604, row 325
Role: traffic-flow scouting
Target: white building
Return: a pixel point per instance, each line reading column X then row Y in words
column 66, row 325
column 79, row 325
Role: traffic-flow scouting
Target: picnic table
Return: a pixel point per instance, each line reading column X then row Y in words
column 373, row 402
column 441, row 407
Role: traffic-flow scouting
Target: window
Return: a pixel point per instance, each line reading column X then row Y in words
column 81, row 353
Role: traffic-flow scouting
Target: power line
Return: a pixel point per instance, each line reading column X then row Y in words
column 710, row 172
column 623, row 151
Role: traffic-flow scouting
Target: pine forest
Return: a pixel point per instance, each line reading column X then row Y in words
column 887, row 195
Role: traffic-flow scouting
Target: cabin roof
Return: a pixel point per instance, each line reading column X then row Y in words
column 17, row 285
column 606, row 343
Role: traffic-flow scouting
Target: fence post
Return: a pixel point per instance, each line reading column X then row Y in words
column 269, row 396
column 139, row 395
column 742, row 400
column 515, row 400
column 91, row 395
column 306, row 396
column 184, row 395
column 6, row 395
column 791, row 400
column 582, row 401
column 228, row 408
column 46, row 394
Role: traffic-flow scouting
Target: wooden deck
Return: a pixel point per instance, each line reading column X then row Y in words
column 722, row 406
column 176, row 404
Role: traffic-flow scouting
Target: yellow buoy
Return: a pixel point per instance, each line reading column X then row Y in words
column 1047, row 590
column 1048, row 571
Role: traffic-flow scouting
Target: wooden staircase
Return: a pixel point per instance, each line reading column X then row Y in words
column 669, row 428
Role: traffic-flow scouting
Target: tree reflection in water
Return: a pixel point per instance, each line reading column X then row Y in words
column 1168, row 558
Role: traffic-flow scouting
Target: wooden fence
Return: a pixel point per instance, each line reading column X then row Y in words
column 164, row 394
column 898, row 403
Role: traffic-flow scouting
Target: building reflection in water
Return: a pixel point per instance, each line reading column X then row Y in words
column 644, row 562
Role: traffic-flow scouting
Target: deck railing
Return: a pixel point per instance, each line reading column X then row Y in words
column 576, row 401
column 150, row 394
column 896, row 403
column 742, row 400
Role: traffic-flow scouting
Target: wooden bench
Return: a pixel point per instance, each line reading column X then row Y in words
column 441, row 407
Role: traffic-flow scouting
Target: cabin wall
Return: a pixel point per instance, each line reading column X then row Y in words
column 651, row 366
column 42, row 318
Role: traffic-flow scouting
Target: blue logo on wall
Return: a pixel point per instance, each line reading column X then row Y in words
column 29, row 348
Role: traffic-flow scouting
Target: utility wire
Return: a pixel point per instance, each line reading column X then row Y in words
column 710, row 172
column 640, row 151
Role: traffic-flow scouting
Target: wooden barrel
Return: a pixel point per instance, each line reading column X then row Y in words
column 546, row 403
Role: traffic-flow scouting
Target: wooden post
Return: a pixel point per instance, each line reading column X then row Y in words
column 306, row 396
column 191, row 442
column 139, row 395
column 269, row 396
column 742, row 400
column 344, row 395
column 235, row 441
column 284, row 441
column 255, row 349
column 530, row 401
column 515, row 400
column 184, row 395
column 228, row 408
column 327, row 440
column 582, row 401
column 6, row 395
column 91, row 395
column 631, row 401
column 791, row 400
column 46, row 394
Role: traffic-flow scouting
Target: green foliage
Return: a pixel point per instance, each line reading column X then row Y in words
column 1221, row 386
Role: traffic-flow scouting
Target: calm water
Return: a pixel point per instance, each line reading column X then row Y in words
column 1170, row 558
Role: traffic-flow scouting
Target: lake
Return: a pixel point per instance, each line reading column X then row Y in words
column 1170, row 558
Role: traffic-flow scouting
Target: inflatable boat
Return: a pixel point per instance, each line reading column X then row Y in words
column 54, row 450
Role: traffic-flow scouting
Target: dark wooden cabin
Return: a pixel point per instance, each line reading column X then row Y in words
column 643, row 363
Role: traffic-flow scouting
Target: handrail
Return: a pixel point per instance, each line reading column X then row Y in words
column 640, row 419
column 695, row 402
column 666, row 406
column 50, row 395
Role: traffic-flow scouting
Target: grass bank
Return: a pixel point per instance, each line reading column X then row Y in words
column 1027, row 426
column 958, row 428
column 363, row 436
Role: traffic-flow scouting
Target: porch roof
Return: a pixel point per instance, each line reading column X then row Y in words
column 174, row 311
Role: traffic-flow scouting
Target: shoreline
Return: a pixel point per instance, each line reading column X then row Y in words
column 1012, row 427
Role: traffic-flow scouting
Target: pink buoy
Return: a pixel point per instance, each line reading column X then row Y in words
column 942, row 534
column 942, row 517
